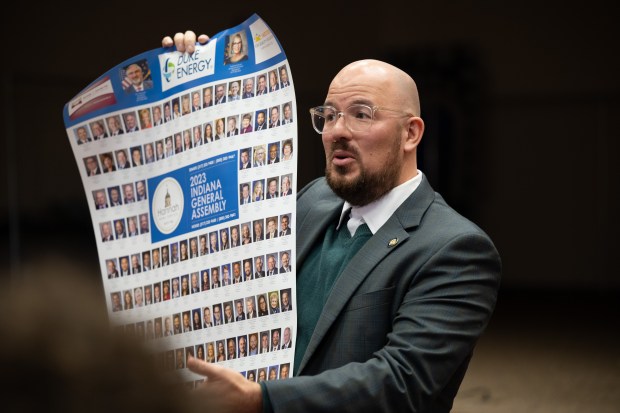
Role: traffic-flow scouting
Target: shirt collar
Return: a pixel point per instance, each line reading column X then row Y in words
column 378, row 212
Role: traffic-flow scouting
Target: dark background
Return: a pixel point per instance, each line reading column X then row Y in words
column 521, row 102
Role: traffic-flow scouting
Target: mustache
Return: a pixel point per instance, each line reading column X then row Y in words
column 343, row 146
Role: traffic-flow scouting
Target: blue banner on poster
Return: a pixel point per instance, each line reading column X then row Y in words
column 194, row 197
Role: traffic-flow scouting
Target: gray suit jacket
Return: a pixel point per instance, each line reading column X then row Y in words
column 398, row 329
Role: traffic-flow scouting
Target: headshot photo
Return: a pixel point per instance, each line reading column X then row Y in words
column 106, row 231
column 176, row 108
column 248, row 88
column 286, row 183
column 207, row 97
column 119, row 228
column 107, row 162
column 82, row 135
column 185, row 105
column 131, row 122
column 92, row 166
column 97, row 129
column 235, row 48
column 136, row 77
column 284, row 81
column 207, row 132
column 146, row 121
column 101, row 199
column 220, row 93
column 287, row 150
column 261, row 120
column 261, row 84
column 136, row 156
column 245, row 161
column 273, row 153
column 122, row 160
column 158, row 118
column 115, row 126
column 234, row 91
column 114, row 194
column 274, row 84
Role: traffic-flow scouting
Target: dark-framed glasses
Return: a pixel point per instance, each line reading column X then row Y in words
column 357, row 118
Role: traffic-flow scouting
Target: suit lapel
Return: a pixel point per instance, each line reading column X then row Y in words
column 407, row 216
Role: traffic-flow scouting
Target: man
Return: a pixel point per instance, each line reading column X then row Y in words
column 274, row 120
column 228, row 313
column 259, row 156
column 92, row 167
column 242, row 347
column 284, row 227
column 237, row 277
column 207, row 97
column 232, row 126
column 220, row 96
column 272, row 268
column 232, row 352
column 253, row 351
column 239, row 308
column 224, row 243
column 251, row 313
column 226, row 275
column 114, row 125
column 156, row 293
column 146, row 261
column 119, row 227
column 136, row 156
column 121, row 159
column 273, row 154
column 258, row 230
column 260, row 121
column 129, row 194
column 148, row 295
column 131, row 122
column 116, row 302
column 134, row 79
column 286, row 339
column 258, row 263
column 285, row 186
column 215, row 278
column 125, row 266
column 247, row 269
column 187, row 322
column 284, row 259
column 100, row 199
column 98, row 130
column 156, row 260
column 288, row 113
column 248, row 88
column 272, row 228
column 82, row 136
column 196, row 101
column 262, row 85
column 106, row 232
column 234, row 236
column 264, row 342
column 432, row 275
column 149, row 153
column 272, row 188
column 176, row 323
column 284, row 371
column 144, row 223
column 132, row 227
column 136, row 267
column 195, row 288
column 165, row 255
column 245, row 159
column 206, row 318
column 112, row 271
column 157, row 119
column 283, row 77
column 138, row 298
column 141, row 191
column 115, row 196
column 286, row 303
column 233, row 92
column 193, row 248
column 275, row 339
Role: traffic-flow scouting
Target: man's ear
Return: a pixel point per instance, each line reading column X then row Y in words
column 414, row 130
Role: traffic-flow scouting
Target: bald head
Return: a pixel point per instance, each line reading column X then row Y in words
column 391, row 86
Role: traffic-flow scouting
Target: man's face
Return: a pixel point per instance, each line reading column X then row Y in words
column 111, row 267
column 216, row 313
column 287, row 111
column 100, row 196
column 253, row 342
column 241, row 343
column 149, row 150
column 194, row 280
column 144, row 223
column 275, row 114
column 119, row 227
column 239, row 307
column 116, row 300
column 121, row 157
column 234, row 233
column 136, row 156
column 260, row 117
column 167, row 324
column 207, row 314
column 91, row 163
column 273, row 152
column 146, row 258
column 285, row 299
column 275, row 338
column 140, row 188
column 265, row 341
column 131, row 121
column 250, row 306
column 186, row 320
column 273, row 186
column 244, row 159
column 247, row 268
column 228, row 311
column 177, row 323
column 124, row 264
column 128, row 189
column 284, row 372
column 134, row 73
column 362, row 166
column 164, row 254
column 287, row 335
column 283, row 75
column 156, row 113
column 271, row 226
column 236, row 270
column 285, row 260
column 249, row 85
column 97, row 129
column 271, row 263
column 232, row 124
column 219, row 91
column 134, row 261
column 231, row 347
column 225, row 273
column 284, row 223
column 138, row 295
column 147, row 293
column 196, row 99
column 207, row 95
column 234, row 88
column 260, row 154
column 259, row 264
column 262, row 83
column 156, row 256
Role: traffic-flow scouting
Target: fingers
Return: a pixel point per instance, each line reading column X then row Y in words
column 184, row 42
column 201, row 367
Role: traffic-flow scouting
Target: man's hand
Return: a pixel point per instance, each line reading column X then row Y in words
column 184, row 42
column 224, row 389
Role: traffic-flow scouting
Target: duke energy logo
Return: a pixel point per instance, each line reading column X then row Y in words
column 168, row 70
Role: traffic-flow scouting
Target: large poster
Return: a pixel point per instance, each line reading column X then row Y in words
column 189, row 168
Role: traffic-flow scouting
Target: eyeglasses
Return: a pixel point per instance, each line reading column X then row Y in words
column 357, row 118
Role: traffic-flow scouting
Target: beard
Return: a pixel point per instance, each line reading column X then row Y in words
column 368, row 186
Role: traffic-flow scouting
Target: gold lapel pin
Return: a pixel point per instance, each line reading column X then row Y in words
column 393, row 242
